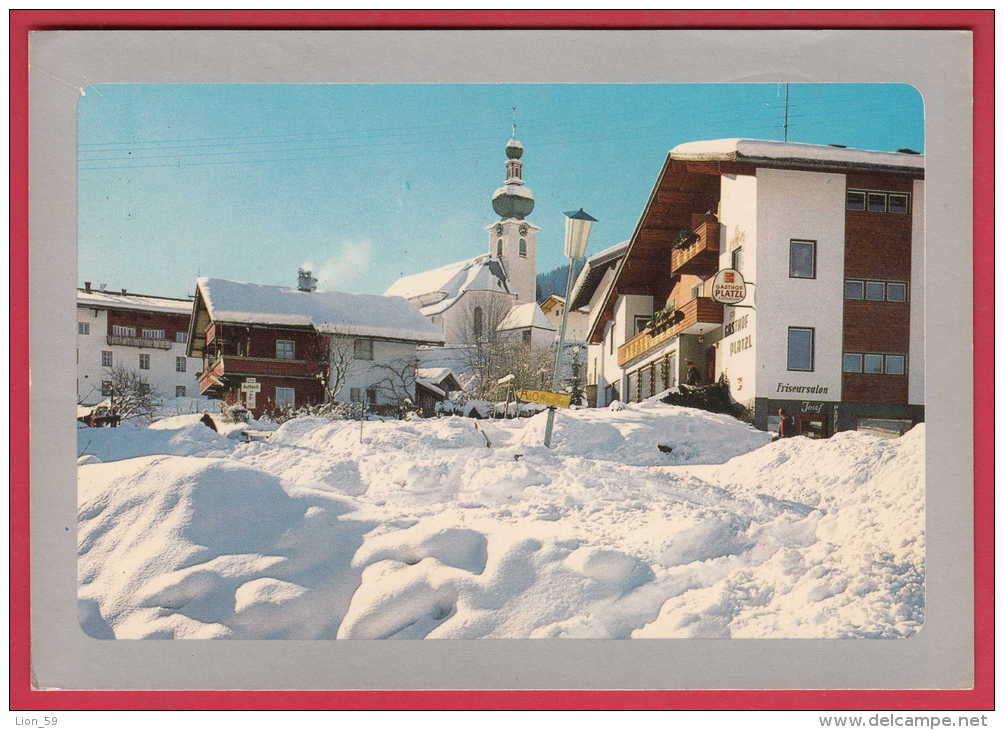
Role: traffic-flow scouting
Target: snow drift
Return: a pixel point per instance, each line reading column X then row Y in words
column 419, row 530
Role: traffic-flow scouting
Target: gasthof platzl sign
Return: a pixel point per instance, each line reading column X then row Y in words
column 729, row 287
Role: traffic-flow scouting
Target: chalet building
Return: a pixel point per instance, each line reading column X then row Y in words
column 526, row 324
column 578, row 318
column 830, row 242
column 465, row 297
column 270, row 347
column 590, row 290
column 141, row 332
column 433, row 385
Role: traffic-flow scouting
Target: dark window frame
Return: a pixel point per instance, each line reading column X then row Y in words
column 791, row 257
column 885, row 363
column 861, row 362
column 885, row 201
column 906, row 291
column 362, row 349
column 864, row 199
column 180, row 391
column 144, row 358
column 522, row 247
column 291, row 349
column 854, row 281
column 906, row 200
column 83, row 328
column 812, row 349
column 110, row 359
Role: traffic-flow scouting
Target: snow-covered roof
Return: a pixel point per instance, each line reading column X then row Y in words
column 142, row 302
column 436, row 290
column 434, row 374
column 764, row 149
column 430, row 386
column 592, row 273
column 513, row 189
column 526, row 315
column 367, row 315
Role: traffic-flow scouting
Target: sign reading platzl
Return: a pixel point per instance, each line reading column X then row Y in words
column 729, row 287
column 561, row 400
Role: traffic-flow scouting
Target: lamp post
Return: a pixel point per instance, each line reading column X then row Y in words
column 577, row 226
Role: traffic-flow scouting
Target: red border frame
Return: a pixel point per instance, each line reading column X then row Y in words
column 980, row 22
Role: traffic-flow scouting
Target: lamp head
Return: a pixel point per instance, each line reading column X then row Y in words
column 577, row 226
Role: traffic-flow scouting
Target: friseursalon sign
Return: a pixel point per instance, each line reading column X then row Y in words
column 729, row 287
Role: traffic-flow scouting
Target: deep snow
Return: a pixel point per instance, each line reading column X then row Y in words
column 414, row 529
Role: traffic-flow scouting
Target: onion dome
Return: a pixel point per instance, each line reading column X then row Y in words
column 513, row 199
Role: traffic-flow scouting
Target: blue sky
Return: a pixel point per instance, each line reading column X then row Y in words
column 368, row 182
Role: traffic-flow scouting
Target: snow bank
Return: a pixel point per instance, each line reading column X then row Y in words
column 185, row 436
column 419, row 530
column 632, row 433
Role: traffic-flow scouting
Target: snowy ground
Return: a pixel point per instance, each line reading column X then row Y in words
column 415, row 529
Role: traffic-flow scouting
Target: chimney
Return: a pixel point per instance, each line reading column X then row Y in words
column 87, row 287
column 305, row 282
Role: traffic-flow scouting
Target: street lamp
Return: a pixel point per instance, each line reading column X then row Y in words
column 577, row 226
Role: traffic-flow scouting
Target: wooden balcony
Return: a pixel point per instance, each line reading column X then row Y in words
column 696, row 316
column 700, row 255
column 139, row 342
column 230, row 365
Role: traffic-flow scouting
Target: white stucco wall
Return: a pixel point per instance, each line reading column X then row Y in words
column 809, row 206
column 365, row 374
column 162, row 375
column 736, row 352
column 457, row 321
column 521, row 270
column 917, row 301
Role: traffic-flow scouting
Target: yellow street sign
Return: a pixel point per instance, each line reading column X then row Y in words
column 561, row 400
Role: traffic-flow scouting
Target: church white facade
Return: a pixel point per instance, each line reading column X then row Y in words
column 469, row 297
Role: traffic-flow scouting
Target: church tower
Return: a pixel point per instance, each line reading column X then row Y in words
column 513, row 239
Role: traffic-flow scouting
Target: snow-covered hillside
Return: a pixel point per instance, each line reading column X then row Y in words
column 414, row 529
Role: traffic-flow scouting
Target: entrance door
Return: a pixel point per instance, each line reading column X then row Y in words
column 813, row 425
column 709, row 365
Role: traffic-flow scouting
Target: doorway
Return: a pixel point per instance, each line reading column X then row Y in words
column 813, row 425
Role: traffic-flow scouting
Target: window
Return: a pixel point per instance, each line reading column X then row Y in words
column 895, row 291
column 875, row 291
column 181, row 337
column 899, row 203
column 498, row 248
column 83, row 328
column 106, row 358
column 876, row 202
column 852, row 362
column 522, row 247
column 106, row 388
column 179, row 391
column 526, row 337
column 144, row 362
column 737, row 259
column 854, row 289
column 855, row 200
column 362, row 349
column 144, row 388
column 802, row 259
column 371, row 395
column 179, row 364
column 801, row 348
column 285, row 397
column 356, row 395
column 121, row 331
column 641, row 322
column 479, row 321
column 873, row 363
column 152, row 334
column 895, row 364
column 285, row 350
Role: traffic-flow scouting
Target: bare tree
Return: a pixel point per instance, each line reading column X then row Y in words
column 131, row 395
column 483, row 347
column 397, row 382
column 336, row 362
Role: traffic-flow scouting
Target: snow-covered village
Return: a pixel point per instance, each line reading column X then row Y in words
column 683, row 399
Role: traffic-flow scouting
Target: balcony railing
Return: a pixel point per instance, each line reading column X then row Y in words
column 700, row 256
column 140, row 342
column 699, row 313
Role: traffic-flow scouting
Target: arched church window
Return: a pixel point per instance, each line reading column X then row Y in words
column 498, row 247
column 522, row 247
column 478, row 321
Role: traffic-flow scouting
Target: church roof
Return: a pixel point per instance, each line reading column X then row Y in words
column 437, row 290
column 526, row 315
